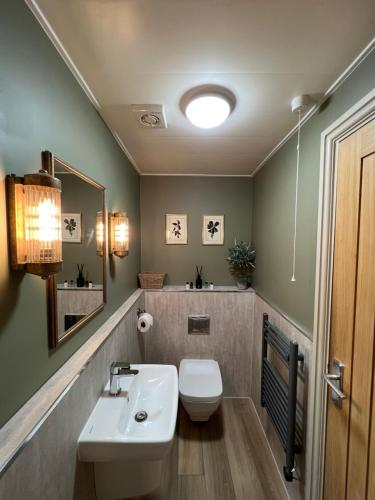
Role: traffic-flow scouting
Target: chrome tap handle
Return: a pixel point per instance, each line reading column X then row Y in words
column 115, row 370
column 117, row 366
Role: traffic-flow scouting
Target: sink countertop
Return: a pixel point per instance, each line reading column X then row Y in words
column 218, row 288
column 94, row 288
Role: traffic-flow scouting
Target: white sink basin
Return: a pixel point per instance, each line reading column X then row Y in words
column 127, row 454
column 112, row 433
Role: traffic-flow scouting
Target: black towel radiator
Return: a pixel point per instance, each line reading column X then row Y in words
column 278, row 396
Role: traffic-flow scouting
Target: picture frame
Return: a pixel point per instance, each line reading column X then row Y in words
column 71, row 227
column 176, row 229
column 213, row 230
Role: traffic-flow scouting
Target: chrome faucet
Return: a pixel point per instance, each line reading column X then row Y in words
column 118, row 369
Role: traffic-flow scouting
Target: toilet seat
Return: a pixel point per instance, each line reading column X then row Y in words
column 200, row 380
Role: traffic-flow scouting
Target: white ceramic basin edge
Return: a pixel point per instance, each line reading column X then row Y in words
column 112, row 433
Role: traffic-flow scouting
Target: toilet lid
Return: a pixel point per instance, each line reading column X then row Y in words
column 200, row 378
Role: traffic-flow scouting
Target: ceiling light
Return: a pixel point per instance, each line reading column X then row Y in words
column 208, row 106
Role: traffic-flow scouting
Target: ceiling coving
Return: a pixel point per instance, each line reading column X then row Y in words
column 128, row 52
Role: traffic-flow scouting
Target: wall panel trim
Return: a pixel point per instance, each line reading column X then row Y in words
column 307, row 333
column 20, row 429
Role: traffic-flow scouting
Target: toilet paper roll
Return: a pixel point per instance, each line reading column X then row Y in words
column 145, row 322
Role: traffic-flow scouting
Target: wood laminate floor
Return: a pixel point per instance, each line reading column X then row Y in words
column 224, row 459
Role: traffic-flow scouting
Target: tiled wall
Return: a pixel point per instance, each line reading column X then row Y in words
column 229, row 341
column 47, row 468
column 295, row 488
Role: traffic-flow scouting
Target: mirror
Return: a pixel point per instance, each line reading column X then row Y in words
column 78, row 292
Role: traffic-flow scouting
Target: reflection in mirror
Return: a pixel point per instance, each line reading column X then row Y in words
column 100, row 233
column 78, row 291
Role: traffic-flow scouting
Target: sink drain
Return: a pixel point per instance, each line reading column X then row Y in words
column 141, row 416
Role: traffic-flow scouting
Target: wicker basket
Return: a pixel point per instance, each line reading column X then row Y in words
column 151, row 280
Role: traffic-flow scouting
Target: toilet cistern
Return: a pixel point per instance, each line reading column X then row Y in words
column 118, row 369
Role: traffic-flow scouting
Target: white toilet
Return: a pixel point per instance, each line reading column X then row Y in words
column 200, row 387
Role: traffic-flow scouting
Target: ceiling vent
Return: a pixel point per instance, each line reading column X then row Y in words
column 150, row 115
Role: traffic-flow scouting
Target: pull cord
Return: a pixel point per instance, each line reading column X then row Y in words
column 293, row 278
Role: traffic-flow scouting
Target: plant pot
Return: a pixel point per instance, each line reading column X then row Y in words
column 242, row 282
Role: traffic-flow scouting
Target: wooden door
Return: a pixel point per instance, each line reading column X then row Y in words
column 350, row 430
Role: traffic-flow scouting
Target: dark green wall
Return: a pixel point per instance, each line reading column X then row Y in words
column 273, row 210
column 194, row 196
column 43, row 107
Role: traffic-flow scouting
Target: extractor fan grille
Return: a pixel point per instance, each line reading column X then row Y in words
column 150, row 115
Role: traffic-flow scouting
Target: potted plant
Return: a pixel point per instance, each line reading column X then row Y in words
column 241, row 262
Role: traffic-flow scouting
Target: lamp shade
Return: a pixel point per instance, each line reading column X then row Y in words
column 119, row 234
column 34, row 222
column 100, row 233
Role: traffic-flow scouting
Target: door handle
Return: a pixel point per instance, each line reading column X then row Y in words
column 329, row 377
column 335, row 382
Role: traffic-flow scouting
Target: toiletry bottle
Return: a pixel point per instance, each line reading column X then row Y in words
column 211, row 285
column 71, row 283
column 206, row 285
column 66, row 284
column 90, row 284
column 187, row 286
column 191, row 285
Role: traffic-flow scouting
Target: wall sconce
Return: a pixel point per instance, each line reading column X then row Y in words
column 34, row 223
column 119, row 234
column 100, row 234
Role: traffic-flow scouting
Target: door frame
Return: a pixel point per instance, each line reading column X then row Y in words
column 353, row 119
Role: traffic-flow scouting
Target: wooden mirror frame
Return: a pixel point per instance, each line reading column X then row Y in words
column 48, row 164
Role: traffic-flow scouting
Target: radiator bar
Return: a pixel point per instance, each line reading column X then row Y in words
column 278, row 396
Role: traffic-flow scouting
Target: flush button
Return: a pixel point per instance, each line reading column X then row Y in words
column 199, row 324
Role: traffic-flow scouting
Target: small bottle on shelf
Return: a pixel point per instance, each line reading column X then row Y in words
column 211, row 285
column 187, row 286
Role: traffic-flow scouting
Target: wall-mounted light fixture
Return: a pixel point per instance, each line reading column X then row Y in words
column 100, row 234
column 119, row 234
column 34, row 223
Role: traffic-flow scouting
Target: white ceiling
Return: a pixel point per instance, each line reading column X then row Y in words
column 153, row 51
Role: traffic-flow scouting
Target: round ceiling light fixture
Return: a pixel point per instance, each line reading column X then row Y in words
column 208, row 106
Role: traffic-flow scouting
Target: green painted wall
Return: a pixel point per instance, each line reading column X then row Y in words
column 195, row 196
column 43, row 107
column 273, row 209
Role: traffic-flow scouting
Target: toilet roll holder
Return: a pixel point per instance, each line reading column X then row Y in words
column 139, row 314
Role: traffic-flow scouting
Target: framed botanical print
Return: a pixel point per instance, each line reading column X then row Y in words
column 71, row 228
column 176, row 229
column 213, row 230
